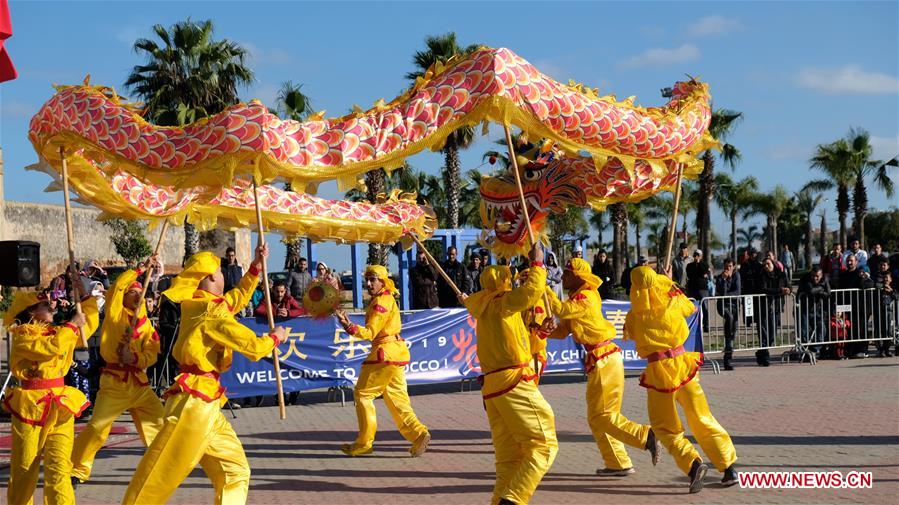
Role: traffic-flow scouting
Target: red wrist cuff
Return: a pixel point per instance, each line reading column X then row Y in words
column 542, row 334
column 71, row 326
column 139, row 271
column 275, row 339
column 253, row 270
column 352, row 329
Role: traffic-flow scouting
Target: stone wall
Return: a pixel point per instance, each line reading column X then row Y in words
column 45, row 224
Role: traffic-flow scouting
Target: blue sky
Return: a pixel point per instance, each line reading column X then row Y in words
column 803, row 73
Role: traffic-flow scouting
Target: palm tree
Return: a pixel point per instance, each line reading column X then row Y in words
column 598, row 220
column 807, row 200
column 749, row 235
column 733, row 198
column 637, row 218
column 295, row 105
column 722, row 123
column 860, row 148
column 618, row 217
column 773, row 205
column 190, row 76
column 440, row 49
column 834, row 161
column 689, row 201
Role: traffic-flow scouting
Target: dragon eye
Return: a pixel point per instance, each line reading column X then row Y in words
column 531, row 174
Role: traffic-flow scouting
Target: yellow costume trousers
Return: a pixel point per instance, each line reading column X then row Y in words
column 53, row 440
column 605, row 391
column 715, row 442
column 390, row 381
column 524, row 441
column 115, row 397
column 194, row 431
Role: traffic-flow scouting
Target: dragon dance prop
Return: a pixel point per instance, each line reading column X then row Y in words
column 553, row 185
column 487, row 85
column 123, row 195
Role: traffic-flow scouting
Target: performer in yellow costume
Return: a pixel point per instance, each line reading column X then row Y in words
column 383, row 372
column 521, row 421
column 123, row 382
column 656, row 322
column 581, row 316
column 533, row 317
column 194, row 429
column 43, row 408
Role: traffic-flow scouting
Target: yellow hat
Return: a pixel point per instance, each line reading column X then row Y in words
column 649, row 290
column 495, row 280
column 381, row 273
column 582, row 270
column 198, row 267
column 22, row 301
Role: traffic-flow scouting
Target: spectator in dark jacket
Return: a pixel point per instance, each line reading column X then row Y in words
column 474, row 274
column 885, row 306
column 458, row 274
column 814, row 296
column 299, row 279
column 698, row 276
column 856, row 279
column 231, row 270
column 284, row 305
column 728, row 285
column 423, row 279
column 833, row 265
column 602, row 268
column 774, row 287
column 875, row 259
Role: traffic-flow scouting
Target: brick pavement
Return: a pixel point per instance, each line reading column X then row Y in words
column 833, row 416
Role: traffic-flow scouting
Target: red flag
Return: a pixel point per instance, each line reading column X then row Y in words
column 7, row 70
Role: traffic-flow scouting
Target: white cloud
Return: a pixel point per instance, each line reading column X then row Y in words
column 267, row 94
column 712, row 25
column 274, row 56
column 884, row 148
column 662, row 56
column 550, row 68
column 847, row 79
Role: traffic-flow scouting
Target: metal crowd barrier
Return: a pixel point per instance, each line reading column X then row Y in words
column 847, row 322
column 748, row 323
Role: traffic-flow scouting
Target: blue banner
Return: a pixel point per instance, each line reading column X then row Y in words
column 442, row 342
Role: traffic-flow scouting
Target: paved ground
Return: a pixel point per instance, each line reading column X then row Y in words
column 834, row 416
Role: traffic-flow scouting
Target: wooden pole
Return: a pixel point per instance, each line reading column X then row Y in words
column 282, row 411
column 70, row 235
column 146, row 286
column 672, row 229
column 524, row 205
column 446, row 277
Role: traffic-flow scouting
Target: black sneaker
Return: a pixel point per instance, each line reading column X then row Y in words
column 506, row 501
column 654, row 447
column 697, row 473
column 610, row 472
column 75, row 482
column 728, row 366
column 730, row 477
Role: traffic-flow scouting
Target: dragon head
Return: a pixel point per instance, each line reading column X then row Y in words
column 549, row 186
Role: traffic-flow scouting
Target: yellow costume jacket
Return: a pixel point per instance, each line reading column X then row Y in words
column 143, row 341
column 656, row 323
column 382, row 328
column 503, row 341
column 41, row 355
column 208, row 336
column 581, row 316
column 533, row 318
